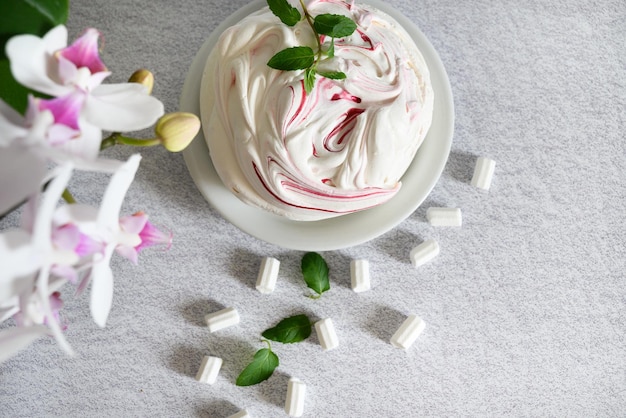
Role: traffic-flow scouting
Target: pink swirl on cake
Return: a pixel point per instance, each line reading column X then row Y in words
column 340, row 149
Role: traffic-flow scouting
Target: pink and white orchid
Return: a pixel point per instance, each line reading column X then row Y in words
column 140, row 234
column 28, row 256
column 56, row 245
column 74, row 74
column 102, row 226
column 70, row 243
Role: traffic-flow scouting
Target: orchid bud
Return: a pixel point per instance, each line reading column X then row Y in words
column 177, row 130
column 143, row 77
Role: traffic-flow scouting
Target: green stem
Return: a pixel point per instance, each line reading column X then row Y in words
column 67, row 196
column 108, row 142
column 117, row 138
column 309, row 20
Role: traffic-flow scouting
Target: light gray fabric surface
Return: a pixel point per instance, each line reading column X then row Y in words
column 525, row 306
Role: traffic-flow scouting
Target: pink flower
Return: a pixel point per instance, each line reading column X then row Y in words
column 65, row 112
column 68, row 237
column 84, row 52
column 142, row 234
column 49, row 66
column 34, row 314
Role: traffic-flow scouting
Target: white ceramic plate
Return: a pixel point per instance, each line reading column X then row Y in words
column 343, row 231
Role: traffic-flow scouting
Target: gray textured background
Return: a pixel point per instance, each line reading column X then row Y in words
column 526, row 305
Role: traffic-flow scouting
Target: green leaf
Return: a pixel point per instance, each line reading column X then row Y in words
column 290, row 330
column 30, row 16
column 337, row 26
column 335, row 75
column 295, row 58
column 331, row 49
column 315, row 272
column 261, row 368
column 287, row 14
column 309, row 80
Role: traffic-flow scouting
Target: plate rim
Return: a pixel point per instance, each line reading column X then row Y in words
column 346, row 230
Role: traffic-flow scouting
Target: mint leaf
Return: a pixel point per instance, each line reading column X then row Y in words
column 295, row 58
column 290, row 330
column 287, row 14
column 309, row 80
column 337, row 26
column 335, row 75
column 315, row 272
column 261, row 368
column 331, row 48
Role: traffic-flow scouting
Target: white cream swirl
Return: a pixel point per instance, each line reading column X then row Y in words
column 340, row 149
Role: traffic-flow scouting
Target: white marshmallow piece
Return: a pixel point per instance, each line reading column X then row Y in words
column 241, row 414
column 444, row 216
column 326, row 334
column 408, row 332
column 424, row 252
column 360, row 275
column 294, row 404
column 222, row 319
column 209, row 369
column 268, row 274
column 483, row 173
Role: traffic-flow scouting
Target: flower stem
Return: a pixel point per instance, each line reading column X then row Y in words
column 117, row 138
column 67, row 196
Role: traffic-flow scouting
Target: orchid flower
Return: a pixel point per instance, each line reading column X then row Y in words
column 103, row 228
column 49, row 66
column 21, row 168
column 52, row 130
column 140, row 234
column 26, row 259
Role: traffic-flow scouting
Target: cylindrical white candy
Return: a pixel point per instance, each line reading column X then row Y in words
column 240, row 414
column 424, row 252
column 326, row 334
column 444, row 216
column 294, row 404
column 483, row 173
column 360, row 275
column 268, row 273
column 209, row 369
column 408, row 332
column 222, row 319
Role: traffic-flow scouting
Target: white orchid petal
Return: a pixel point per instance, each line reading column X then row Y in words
column 108, row 216
column 60, row 134
column 101, row 289
column 96, row 79
column 21, row 174
column 42, row 230
column 55, row 39
column 31, row 57
column 13, row 340
column 44, row 299
column 77, row 214
column 19, row 262
column 11, row 125
column 128, row 252
column 99, row 165
column 11, row 115
column 7, row 312
column 40, row 122
column 83, row 284
column 122, row 107
column 87, row 145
